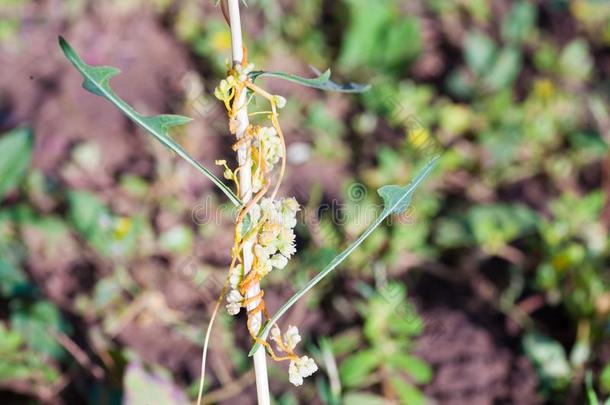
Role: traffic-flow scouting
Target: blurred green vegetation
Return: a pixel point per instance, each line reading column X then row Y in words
column 513, row 94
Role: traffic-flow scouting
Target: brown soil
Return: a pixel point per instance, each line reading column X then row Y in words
column 475, row 360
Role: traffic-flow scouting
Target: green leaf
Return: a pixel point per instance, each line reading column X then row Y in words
column 397, row 51
column 365, row 31
column 97, row 81
column 19, row 363
column 408, row 394
column 396, row 199
column 575, row 61
column 356, row 369
column 33, row 322
column 16, row 152
column 479, row 51
column 373, row 22
column 604, row 379
column 505, row 70
column 92, row 219
column 580, row 353
column 10, row 341
column 322, row 82
column 591, row 395
column 495, row 225
column 520, row 22
column 418, row 369
column 12, row 278
column 110, row 235
column 549, row 357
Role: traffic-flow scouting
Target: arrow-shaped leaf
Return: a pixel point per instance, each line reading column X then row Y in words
column 322, row 82
column 97, row 81
column 396, row 199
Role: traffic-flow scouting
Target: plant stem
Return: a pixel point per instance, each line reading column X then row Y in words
column 245, row 185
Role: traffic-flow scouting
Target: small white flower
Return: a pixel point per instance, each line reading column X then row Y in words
column 292, row 337
column 234, row 296
column 261, row 253
column 255, row 214
column 264, row 268
column 272, row 214
column 289, row 220
column 290, row 205
column 285, row 243
column 235, row 277
column 267, row 132
column 269, row 234
column 278, row 261
column 288, row 208
column 276, row 334
column 233, row 308
column 267, row 207
column 301, row 368
column 234, row 300
column 279, row 101
column 269, row 140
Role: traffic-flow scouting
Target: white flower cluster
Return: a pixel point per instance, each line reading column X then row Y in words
column 300, row 367
column 275, row 240
column 269, row 145
column 273, row 246
column 224, row 91
column 269, row 142
column 234, row 298
column 234, row 302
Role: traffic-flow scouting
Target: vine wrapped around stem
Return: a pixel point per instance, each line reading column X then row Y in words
column 271, row 221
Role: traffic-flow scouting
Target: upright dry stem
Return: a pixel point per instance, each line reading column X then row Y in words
column 245, row 186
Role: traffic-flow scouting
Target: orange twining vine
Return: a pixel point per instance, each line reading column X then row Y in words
column 270, row 221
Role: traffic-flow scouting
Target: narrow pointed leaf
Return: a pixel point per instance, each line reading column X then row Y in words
column 322, row 82
column 396, row 200
column 15, row 158
column 97, row 81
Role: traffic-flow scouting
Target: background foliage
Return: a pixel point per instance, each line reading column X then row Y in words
column 493, row 288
